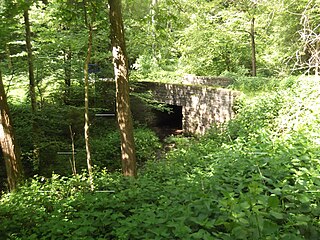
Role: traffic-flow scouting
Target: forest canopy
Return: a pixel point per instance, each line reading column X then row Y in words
column 165, row 38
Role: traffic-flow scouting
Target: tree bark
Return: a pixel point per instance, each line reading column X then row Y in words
column 67, row 75
column 153, row 26
column 9, row 147
column 32, row 83
column 124, row 116
column 32, row 89
column 253, row 49
column 86, row 105
column 317, row 59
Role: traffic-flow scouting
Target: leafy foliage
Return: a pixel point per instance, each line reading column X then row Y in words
column 54, row 137
column 260, row 184
column 106, row 149
column 257, row 178
column 166, row 40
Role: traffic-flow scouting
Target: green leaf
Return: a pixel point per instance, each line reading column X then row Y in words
column 201, row 234
column 291, row 236
column 303, row 198
column 273, row 201
column 270, row 227
column 240, row 232
column 245, row 205
column 302, row 220
column 276, row 191
column 277, row 215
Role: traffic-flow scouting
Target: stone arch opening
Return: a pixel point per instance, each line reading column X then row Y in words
column 169, row 121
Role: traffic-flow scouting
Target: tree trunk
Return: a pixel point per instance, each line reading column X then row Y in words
column 317, row 59
column 86, row 105
column 32, row 83
column 124, row 116
column 32, row 89
column 153, row 26
column 253, row 49
column 9, row 147
column 67, row 75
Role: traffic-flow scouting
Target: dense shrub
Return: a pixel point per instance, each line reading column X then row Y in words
column 253, row 85
column 107, row 153
column 49, row 135
column 53, row 136
column 255, row 115
column 262, row 184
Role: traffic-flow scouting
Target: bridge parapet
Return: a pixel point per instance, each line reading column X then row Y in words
column 208, row 81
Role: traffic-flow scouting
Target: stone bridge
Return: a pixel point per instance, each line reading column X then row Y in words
column 198, row 102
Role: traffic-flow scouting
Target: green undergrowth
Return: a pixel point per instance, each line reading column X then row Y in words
column 257, row 179
column 253, row 85
column 53, row 136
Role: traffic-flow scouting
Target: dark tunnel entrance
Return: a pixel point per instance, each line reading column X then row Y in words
column 169, row 121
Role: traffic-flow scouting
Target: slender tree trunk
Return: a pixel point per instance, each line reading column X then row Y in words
column 317, row 59
column 32, row 88
column 32, row 83
column 73, row 160
column 67, row 75
column 253, row 49
column 153, row 26
column 10, row 66
column 86, row 105
column 153, row 12
column 9, row 147
column 9, row 59
column 124, row 116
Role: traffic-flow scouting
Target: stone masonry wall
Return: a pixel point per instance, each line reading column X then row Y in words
column 202, row 106
column 203, row 102
column 208, row 81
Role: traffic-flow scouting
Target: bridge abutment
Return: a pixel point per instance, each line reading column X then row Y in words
column 202, row 106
